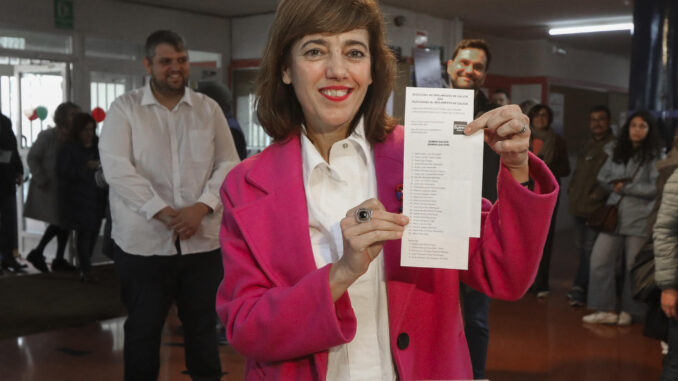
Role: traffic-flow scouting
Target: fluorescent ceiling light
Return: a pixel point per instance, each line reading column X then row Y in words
column 591, row 29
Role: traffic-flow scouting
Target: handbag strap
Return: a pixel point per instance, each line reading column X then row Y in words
column 632, row 177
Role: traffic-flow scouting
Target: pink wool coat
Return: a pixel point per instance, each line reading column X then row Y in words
column 276, row 304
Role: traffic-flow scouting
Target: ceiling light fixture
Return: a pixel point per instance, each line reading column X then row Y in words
column 591, row 29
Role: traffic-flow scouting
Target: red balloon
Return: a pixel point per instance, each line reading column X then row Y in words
column 99, row 114
column 33, row 116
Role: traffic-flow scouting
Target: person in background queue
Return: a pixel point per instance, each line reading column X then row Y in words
column 586, row 195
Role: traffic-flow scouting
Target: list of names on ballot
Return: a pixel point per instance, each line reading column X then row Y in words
column 442, row 178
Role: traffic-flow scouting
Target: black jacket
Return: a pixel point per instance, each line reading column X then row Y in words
column 490, row 158
column 81, row 202
column 10, row 161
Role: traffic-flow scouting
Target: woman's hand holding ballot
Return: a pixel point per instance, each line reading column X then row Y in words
column 364, row 229
column 507, row 132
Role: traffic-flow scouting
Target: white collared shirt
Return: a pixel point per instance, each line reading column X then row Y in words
column 331, row 190
column 154, row 157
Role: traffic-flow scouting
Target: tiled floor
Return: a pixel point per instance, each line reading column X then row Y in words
column 531, row 340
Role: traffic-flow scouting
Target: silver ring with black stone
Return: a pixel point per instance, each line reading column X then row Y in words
column 522, row 130
column 362, row 215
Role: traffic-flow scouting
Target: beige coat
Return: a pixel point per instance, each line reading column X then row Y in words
column 42, row 200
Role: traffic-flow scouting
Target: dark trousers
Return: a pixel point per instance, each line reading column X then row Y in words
column 476, row 307
column 584, row 237
column 8, row 226
column 541, row 282
column 62, row 239
column 149, row 285
column 670, row 372
column 85, row 240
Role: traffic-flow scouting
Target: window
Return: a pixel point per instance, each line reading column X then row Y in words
column 104, row 48
column 35, row 41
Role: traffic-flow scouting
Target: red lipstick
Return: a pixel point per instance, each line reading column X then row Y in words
column 336, row 93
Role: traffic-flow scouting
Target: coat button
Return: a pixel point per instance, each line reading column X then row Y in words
column 403, row 341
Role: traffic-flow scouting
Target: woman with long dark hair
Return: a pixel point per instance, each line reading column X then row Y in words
column 81, row 202
column 630, row 174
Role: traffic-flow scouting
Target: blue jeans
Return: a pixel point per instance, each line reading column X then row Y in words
column 476, row 307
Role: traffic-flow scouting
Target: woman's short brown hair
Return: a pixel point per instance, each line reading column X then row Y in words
column 278, row 109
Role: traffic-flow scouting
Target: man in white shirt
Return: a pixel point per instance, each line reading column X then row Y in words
column 165, row 150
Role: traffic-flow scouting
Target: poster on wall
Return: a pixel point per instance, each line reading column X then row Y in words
column 557, row 104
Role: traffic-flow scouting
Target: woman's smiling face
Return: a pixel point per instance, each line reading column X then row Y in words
column 330, row 74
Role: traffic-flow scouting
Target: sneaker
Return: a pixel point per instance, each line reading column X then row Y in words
column 37, row 260
column 12, row 265
column 60, row 264
column 576, row 297
column 601, row 318
column 542, row 294
column 624, row 318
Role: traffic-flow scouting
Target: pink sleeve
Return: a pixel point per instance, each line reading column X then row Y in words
column 504, row 260
column 269, row 322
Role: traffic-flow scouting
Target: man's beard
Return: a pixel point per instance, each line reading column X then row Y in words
column 164, row 88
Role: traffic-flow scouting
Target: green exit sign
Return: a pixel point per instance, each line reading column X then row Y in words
column 63, row 14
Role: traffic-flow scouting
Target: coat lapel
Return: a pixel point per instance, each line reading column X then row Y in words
column 276, row 224
column 400, row 281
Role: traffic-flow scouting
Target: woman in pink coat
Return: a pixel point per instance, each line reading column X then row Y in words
column 313, row 288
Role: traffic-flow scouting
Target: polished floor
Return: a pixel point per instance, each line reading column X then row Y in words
column 531, row 340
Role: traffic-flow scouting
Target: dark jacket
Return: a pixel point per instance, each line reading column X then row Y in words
column 81, row 202
column 10, row 161
column 586, row 195
column 491, row 160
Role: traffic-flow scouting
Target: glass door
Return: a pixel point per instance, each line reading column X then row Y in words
column 40, row 89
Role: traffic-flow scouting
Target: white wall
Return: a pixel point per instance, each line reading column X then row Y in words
column 510, row 57
column 440, row 32
column 250, row 33
column 537, row 58
column 245, row 37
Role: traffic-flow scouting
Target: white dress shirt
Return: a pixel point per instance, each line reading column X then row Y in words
column 154, row 157
column 331, row 190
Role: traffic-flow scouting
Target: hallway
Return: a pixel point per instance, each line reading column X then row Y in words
column 530, row 340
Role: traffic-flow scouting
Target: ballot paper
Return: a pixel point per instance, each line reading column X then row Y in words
column 442, row 181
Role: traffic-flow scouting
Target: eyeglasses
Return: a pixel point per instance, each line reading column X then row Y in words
column 599, row 119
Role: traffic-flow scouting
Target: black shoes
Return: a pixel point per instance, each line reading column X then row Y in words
column 577, row 297
column 60, row 264
column 38, row 261
column 12, row 265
